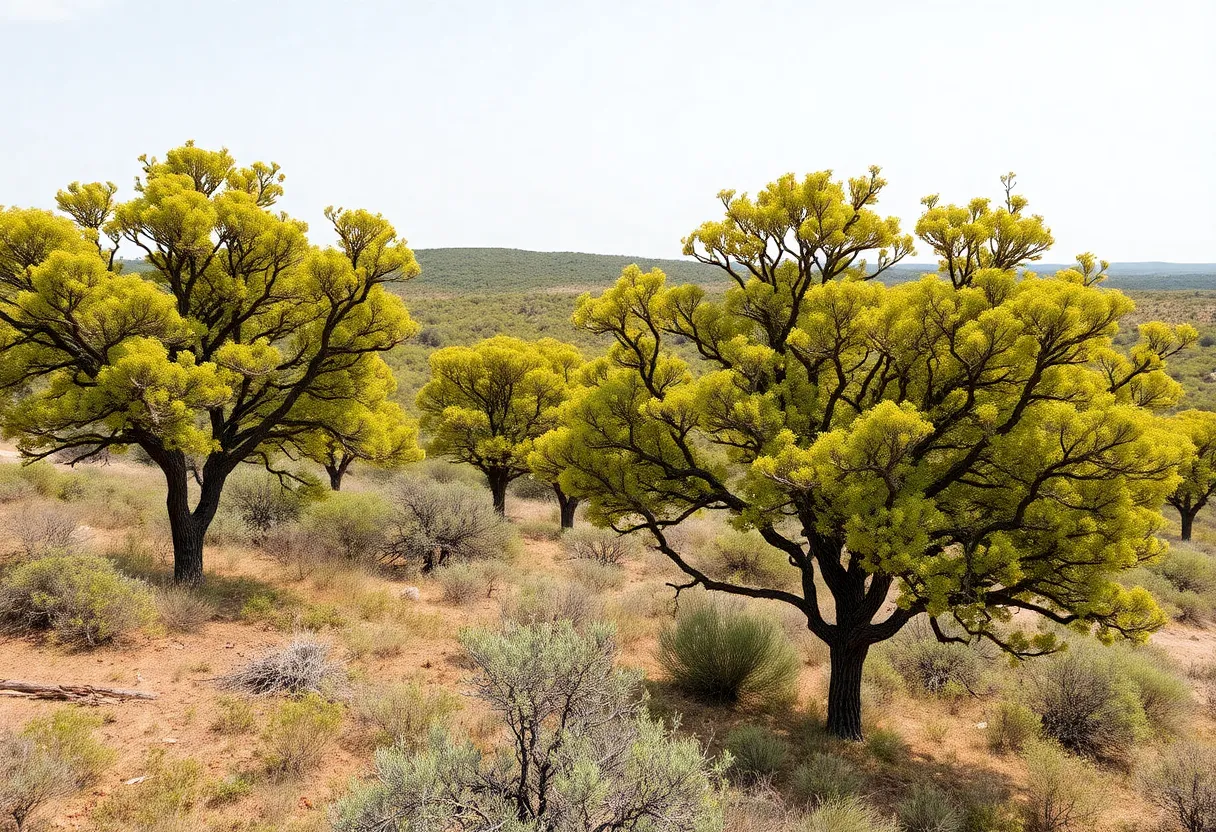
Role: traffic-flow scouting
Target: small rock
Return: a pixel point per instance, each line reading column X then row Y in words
column 981, row 725
column 228, row 645
column 411, row 593
column 169, row 740
column 135, row 780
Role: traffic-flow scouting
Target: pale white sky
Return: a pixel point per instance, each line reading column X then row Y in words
column 609, row 126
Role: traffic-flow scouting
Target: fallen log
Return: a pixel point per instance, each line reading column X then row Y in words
column 84, row 694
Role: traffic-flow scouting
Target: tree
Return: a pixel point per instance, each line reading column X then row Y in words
column 1198, row 469
column 582, row 753
column 240, row 339
column 964, row 445
column 385, row 437
column 486, row 405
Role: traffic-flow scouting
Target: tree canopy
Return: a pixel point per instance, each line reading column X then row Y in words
column 1198, row 469
column 242, row 339
column 486, row 404
column 383, row 436
column 963, row 446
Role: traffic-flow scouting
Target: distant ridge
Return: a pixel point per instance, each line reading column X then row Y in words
column 493, row 270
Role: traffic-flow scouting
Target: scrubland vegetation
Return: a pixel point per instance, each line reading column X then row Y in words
column 807, row 587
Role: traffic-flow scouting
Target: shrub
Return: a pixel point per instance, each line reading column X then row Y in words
column 928, row 665
column 317, row 617
column 437, row 523
column 886, row 746
column 302, row 667
column 847, row 814
column 183, row 609
column 375, row 640
column 550, row 601
column 296, row 549
column 1062, row 791
column 30, row 776
column 261, row 501
column 464, row 583
column 161, row 803
column 719, row 652
column 880, row 680
column 530, row 488
column 1011, row 726
column 748, row 557
column 298, row 733
column 825, row 777
column 1188, row 570
column 597, row 577
column 602, row 546
column 1183, row 786
column 1099, row 702
column 403, row 714
column 348, row 525
column 67, row 734
column 82, row 599
column 757, row 753
column 235, row 716
column 592, row 759
column 42, row 531
column 927, row 808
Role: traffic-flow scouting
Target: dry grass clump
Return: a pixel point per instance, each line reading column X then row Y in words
column 44, row 530
column 182, row 609
column 30, row 776
column 403, row 714
column 379, row 641
column 550, row 601
column 304, row 666
column 464, row 583
column 597, row 577
column 1063, row 794
column 600, row 545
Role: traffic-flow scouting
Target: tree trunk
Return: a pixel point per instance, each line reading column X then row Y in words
column 189, row 528
column 844, row 690
column 567, row 506
column 499, row 479
column 336, row 472
column 1188, row 519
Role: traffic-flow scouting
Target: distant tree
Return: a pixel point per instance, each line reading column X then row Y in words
column 240, row 339
column 1198, row 469
column 385, row 437
column 486, row 405
column 963, row 446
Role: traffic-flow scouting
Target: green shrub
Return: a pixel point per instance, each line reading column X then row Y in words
column 298, row 734
column 886, row 746
column 551, row 601
column 1011, row 726
column 317, row 617
column 1188, row 570
column 67, row 734
column 82, row 599
column 825, row 777
column 1062, row 791
column 377, row 640
column 348, row 525
column 434, row 524
column 719, row 652
column 1183, row 786
column 881, row 682
column 403, row 714
column 847, row 814
column 757, row 753
column 235, row 716
column 1100, row 701
column 229, row 789
column 927, row 808
column 163, row 801
column 464, row 583
column 748, row 558
column 928, row 665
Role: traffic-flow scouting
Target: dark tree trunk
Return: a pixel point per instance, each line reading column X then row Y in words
column 189, row 527
column 336, row 473
column 499, row 479
column 1188, row 520
column 567, row 506
column 844, row 690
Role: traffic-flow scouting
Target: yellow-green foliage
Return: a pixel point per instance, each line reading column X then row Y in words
column 240, row 339
column 172, row 790
column 971, row 441
column 486, row 404
column 67, row 734
column 82, row 599
column 298, row 733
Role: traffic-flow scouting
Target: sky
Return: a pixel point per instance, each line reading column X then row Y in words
column 609, row 127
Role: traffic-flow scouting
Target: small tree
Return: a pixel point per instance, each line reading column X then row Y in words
column 965, row 445
column 385, row 437
column 582, row 754
column 239, row 340
column 487, row 404
column 1198, row 469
